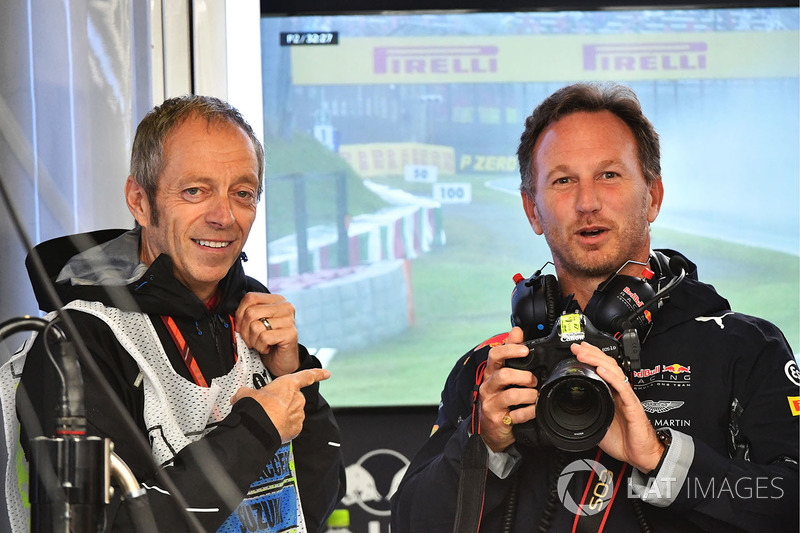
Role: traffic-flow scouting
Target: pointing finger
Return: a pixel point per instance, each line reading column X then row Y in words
column 309, row 376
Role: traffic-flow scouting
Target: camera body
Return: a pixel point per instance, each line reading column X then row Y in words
column 545, row 352
column 575, row 406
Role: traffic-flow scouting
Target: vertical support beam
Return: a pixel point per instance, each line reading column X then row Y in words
column 343, row 243
column 301, row 223
column 210, row 37
column 156, row 39
column 177, row 56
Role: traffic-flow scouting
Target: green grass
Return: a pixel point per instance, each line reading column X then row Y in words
column 304, row 155
column 462, row 291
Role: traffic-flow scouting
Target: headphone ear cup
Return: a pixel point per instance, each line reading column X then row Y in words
column 535, row 305
column 617, row 298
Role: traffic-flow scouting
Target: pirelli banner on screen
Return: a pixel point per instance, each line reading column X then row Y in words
column 539, row 58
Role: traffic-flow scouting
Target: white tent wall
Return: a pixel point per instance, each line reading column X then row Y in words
column 76, row 76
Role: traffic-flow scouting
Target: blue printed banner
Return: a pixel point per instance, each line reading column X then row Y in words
column 271, row 503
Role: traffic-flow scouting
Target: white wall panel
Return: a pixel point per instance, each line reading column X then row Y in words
column 68, row 108
column 175, row 26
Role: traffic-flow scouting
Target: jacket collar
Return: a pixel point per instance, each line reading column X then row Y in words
column 104, row 266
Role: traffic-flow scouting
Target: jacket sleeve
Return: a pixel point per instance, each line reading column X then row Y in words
column 318, row 455
column 754, row 487
column 427, row 497
column 212, row 474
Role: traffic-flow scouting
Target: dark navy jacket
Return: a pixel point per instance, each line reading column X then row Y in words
column 727, row 380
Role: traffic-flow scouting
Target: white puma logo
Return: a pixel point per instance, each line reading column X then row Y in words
column 717, row 319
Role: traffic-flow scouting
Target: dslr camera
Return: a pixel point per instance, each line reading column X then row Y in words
column 575, row 407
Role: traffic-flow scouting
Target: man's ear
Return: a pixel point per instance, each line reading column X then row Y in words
column 656, row 197
column 530, row 210
column 138, row 204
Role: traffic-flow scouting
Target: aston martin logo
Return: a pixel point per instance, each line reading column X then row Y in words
column 660, row 406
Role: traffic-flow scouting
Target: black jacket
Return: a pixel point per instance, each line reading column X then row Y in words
column 698, row 361
column 244, row 442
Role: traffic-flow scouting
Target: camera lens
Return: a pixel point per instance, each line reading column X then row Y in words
column 575, row 403
column 575, row 406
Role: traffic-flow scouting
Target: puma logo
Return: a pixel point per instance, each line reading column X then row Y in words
column 717, row 319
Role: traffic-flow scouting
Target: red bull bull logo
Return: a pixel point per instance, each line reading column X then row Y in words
column 675, row 368
column 497, row 340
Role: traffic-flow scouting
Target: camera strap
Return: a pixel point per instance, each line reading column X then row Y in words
column 471, row 486
column 474, row 468
column 601, row 490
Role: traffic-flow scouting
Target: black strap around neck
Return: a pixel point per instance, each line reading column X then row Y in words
column 471, row 486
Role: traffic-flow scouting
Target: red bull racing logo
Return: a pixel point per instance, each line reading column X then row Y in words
column 633, row 296
column 675, row 374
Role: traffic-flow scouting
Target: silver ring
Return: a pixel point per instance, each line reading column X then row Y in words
column 268, row 325
column 626, row 380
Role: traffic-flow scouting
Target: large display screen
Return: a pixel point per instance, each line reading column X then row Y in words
column 394, row 219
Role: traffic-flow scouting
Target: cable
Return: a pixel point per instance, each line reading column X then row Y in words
column 88, row 364
column 45, row 332
column 662, row 293
column 550, row 505
column 638, row 511
column 507, row 522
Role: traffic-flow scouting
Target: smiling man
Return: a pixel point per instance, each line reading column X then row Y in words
column 204, row 359
column 700, row 437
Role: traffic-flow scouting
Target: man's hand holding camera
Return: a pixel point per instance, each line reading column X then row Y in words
column 502, row 388
column 631, row 437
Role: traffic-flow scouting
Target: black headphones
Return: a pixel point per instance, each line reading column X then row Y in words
column 621, row 302
column 536, row 303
